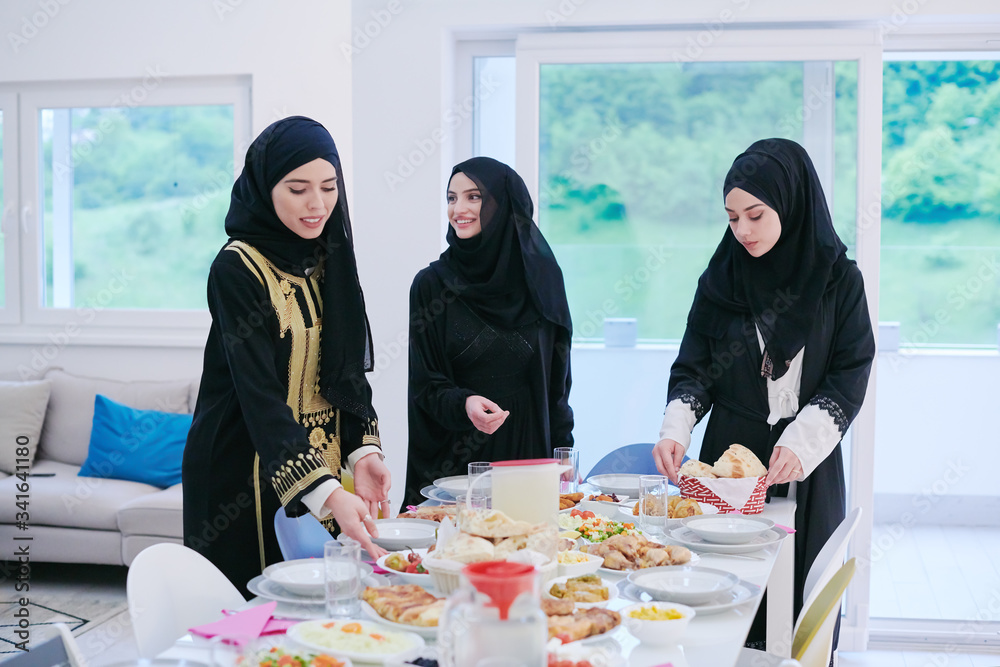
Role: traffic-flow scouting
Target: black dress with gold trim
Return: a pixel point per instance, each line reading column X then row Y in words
column 263, row 436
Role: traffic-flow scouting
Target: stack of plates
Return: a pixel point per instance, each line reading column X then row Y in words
column 446, row 489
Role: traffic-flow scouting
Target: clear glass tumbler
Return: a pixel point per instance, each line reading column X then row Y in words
column 343, row 578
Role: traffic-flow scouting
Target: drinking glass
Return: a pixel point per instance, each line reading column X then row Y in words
column 479, row 495
column 341, row 560
column 652, row 503
column 570, row 459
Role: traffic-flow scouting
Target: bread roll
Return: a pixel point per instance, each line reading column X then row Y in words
column 493, row 523
column 466, row 549
column 693, row 468
column 738, row 461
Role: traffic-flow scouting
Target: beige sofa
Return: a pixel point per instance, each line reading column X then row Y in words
column 88, row 519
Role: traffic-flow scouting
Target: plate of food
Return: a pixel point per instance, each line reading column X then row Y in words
column 408, row 565
column 677, row 509
column 626, row 552
column 362, row 641
column 569, row 624
column 408, row 607
column 586, row 590
column 435, row 513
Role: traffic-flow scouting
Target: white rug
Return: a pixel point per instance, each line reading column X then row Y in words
column 76, row 611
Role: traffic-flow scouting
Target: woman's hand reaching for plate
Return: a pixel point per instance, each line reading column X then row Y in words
column 668, row 455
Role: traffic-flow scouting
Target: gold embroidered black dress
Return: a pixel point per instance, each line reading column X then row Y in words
column 263, row 436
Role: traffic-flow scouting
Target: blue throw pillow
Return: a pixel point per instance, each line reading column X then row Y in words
column 136, row 445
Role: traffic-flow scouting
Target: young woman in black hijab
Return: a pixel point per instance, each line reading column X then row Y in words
column 778, row 345
column 284, row 401
column 489, row 335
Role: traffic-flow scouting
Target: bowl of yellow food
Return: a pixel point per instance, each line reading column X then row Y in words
column 657, row 623
column 573, row 563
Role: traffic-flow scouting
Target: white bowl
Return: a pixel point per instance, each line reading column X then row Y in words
column 423, row 579
column 590, row 564
column 400, row 534
column 610, row 585
column 305, row 576
column 727, row 528
column 685, row 584
column 658, row 633
column 444, row 574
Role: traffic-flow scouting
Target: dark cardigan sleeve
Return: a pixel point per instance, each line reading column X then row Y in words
column 689, row 379
column 246, row 320
column 560, row 413
column 431, row 386
column 842, row 390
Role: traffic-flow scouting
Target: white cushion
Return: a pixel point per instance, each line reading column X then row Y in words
column 67, row 500
column 66, row 434
column 21, row 422
column 159, row 514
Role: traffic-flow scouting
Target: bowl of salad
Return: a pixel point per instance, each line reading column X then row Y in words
column 408, row 565
column 591, row 527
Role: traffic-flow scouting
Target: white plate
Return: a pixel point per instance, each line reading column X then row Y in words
column 741, row 593
column 304, row 577
column 728, row 528
column 433, row 493
column 454, row 485
column 409, row 577
column 426, row 633
column 686, row 537
column 610, row 585
column 684, row 584
column 263, row 587
column 295, row 632
column 620, row 484
column 400, row 534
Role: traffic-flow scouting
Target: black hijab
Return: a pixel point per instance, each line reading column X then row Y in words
column 508, row 272
column 782, row 288
column 345, row 352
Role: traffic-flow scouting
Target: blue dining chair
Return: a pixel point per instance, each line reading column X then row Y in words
column 300, row 537
column 634, row 459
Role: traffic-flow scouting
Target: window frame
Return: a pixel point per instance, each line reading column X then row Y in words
column 154, row 327
column 740, row 45
column 10, row 213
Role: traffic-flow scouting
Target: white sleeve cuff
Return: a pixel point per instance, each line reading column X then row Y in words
column 678, row 421
column 315, row 500
column 811, row 437
column 359, row 454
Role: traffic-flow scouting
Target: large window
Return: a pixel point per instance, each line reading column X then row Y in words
column 119, row 205
column 134, row 197
column 632, row 157
column 941, row 201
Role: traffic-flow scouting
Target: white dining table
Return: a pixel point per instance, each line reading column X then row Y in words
column 712, row 640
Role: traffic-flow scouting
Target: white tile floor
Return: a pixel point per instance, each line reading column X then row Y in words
column 918, row 570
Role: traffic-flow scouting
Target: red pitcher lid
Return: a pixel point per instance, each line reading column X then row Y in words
column 501, row 581
column 525, row 462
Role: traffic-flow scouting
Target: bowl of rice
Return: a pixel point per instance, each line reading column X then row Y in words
column 362, row 641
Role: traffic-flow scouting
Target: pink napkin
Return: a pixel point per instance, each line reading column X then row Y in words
column 242, row 625
column 785, row 528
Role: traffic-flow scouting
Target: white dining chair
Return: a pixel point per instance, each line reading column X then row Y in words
column 830, row 557
column 171, row 588
column 813, row 635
